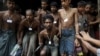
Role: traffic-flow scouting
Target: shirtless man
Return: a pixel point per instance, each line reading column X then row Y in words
column 82, row 25
column 29, row 27
column 93, row 20
column 54, row 13
column 69, row 26
column 48, row 37
column 81, row 16
column 10, row 22
column 43, row 10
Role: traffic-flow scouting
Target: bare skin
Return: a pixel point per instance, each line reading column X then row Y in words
column 1, row 16
column 47, row 35
column 15, row 20
column 29, row 22
column 10, row 19
column 44, row 33
column 56, row 18
column 44, row 36
column 42, row 11
column 86, row 38
column 69, row 17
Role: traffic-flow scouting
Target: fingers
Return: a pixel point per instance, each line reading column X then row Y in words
column 77, row 43
column 78, row 37
column 83, row 33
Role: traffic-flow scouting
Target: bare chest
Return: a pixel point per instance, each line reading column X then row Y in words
column 10, row 20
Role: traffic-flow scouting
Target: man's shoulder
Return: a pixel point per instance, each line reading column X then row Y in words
column 23, row 21
column 55, row 28
column 43, row 32
column 36, row 20
column 3, row 13
column 74, row 9
column 60, row 10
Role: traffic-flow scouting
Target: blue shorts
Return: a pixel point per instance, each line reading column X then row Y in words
column 67, row 41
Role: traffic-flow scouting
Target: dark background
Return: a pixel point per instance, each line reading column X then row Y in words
column 35, row 4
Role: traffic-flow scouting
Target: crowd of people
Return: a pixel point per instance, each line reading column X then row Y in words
column 64, row 31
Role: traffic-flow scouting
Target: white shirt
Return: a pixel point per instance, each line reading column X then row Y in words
column 98, row 52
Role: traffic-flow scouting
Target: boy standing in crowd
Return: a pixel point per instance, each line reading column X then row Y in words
column 69, row 26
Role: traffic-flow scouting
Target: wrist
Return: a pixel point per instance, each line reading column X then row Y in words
column 90, row 39
column 77, row 33
column 40, row 44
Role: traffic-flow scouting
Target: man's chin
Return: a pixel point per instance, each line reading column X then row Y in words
column 11, row 9
column 48, row 28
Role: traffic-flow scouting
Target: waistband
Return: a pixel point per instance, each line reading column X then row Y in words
column 71, row 28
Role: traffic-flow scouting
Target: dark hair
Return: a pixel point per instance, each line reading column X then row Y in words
column 54, row 4
column 81, row 3
column 91, row 4
column 10, row 0
column 48, row 16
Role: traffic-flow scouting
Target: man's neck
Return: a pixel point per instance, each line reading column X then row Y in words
column 31, row 20
column 54, row 12
column 67, row 8
column 10, row 11
column 80, row 13
column 44, row 9
column 49, row 30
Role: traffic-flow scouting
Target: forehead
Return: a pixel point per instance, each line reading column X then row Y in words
column 53, row 6
column 65, row 0
column 44, row 2
column 28, row 12
column 48, row 20
column 11, row 2
column 80, row 6
column 88, row 5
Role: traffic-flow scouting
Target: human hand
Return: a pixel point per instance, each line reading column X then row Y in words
column 86, row 44
column 77, row 43
column 20, row 42
column 79, row 37
column 85, row 35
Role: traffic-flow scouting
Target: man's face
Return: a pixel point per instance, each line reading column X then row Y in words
column 65, row 3
column 44, row 5
column 53, row 8
column 10, row 5
column 48, row 24
column 29, row 14
column 81, row 8
column 88, row 8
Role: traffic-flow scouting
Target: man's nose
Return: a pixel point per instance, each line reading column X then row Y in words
column 48, row 24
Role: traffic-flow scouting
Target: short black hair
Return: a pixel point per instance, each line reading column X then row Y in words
column 10, row 0
column 91, row 4
column 54, row 4
column 81, row 3
column 48, row 16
